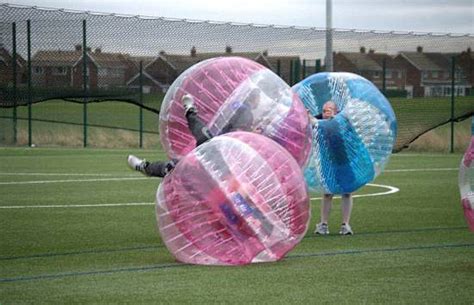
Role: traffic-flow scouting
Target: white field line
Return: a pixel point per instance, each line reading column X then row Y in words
column 76, row 205
column 391, row 190
column 59, row 174
column 71, row 180
column 420, row 170
column 129, row 177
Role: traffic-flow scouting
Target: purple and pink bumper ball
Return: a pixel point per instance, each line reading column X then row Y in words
column 239, row 198
column 235, row 94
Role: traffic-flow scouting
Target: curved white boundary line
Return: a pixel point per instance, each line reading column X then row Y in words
column 391, row 190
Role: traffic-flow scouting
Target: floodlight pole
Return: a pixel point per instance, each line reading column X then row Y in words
column 329, row 63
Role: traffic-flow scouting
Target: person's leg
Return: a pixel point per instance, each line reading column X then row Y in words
column 152, row 169
column 346, row 210
column 159, row 168
column 326, row 203
column 197, row 127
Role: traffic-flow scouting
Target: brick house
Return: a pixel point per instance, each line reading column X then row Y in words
column 53, row 68
column 6, row 68
column 466, row 61
column 370, row 65
column 429, row 74
column 59, row 68
column 159, row 73
column 395, row 74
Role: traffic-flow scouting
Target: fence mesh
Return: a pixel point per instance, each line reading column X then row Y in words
column 69, row 60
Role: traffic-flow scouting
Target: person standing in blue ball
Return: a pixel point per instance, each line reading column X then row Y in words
column 322, row 228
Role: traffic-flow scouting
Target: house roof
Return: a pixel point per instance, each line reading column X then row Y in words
column 70, row 58
column 56, row 58
column 421, row 61
column 7, row 57
column 389, row 60
column 183, row 62
column 443, row 60
column 109, row 60
column 362, row 61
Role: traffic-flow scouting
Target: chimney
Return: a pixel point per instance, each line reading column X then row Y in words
column 362, row 50
column 265, row 53
column 419, row 49
column 193, row 51
column 371, row 51
column 98, row 50
column 228, row 49
column 162, row 52
column 78, row 47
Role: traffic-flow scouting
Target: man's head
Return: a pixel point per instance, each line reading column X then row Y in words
column 329, row 110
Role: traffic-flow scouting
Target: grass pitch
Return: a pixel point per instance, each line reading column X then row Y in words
column 78, row 228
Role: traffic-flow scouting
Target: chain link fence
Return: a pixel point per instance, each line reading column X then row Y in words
column 89, row 79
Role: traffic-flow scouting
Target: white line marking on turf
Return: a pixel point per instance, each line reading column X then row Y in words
column 391, row 190
column 71, row 180
column 421, row 170
column 127, row 177
column 76, row 205
column 56, row 174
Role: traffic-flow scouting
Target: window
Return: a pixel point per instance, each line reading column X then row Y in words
column 59, row 71
column 103, row 72
column 434, row 74
column 424, row 75
column 38, row 70
column 376, row 74
column 116, row 72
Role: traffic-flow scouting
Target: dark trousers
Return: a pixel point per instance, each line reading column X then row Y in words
column 198, row 130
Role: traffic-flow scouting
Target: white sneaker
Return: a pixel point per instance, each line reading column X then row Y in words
column 322, row 229
column 188, row 103
column 346, row 229
column 137, row 164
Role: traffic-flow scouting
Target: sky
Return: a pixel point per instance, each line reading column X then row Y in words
column 421, row 16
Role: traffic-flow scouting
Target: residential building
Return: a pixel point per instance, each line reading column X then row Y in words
column 429, row 74
column 160, row 72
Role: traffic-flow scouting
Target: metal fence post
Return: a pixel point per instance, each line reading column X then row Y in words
column 297, row 71
column 453, row 75
column 317, row 66
column 141, row 104
column 291, row 73
column 14, row 60
column 30, row 98
column 278, row 68
column 384, row 76
column 303, row 72
column 84, row 81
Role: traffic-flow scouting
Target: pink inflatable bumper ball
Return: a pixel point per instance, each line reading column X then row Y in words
column 238, row 199
column 466, row 182
column 235, row 94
